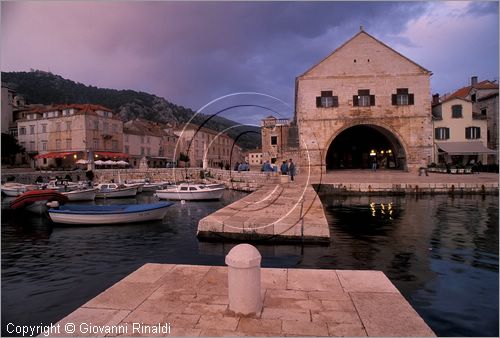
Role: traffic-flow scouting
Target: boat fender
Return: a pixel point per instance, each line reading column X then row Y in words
column 183, row 201
column 52, row 204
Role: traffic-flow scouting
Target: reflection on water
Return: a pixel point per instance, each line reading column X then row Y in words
column 441, row 253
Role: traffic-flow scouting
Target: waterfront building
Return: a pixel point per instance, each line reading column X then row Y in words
column 207, row 148
column 459, row 132
column 254, row 158
column 484, row 98
column 59, row 136
column 279, row 139
column 7, row 107
column 150, row 140
column 364, row 100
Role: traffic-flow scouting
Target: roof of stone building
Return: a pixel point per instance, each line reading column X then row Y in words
column 81, row 109
column 362, row 32
column 464, row 91
column 143, row 127
column 192, row 126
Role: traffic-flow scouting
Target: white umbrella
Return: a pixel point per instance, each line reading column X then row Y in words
column 121, row 162
column 109, row 162
column 99, row 162
column 82, row 161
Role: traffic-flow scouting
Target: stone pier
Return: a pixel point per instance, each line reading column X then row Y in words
column 278, row 212
column 192, row 300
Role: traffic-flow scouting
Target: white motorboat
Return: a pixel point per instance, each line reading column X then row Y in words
column 191, row 192
column 81, row 195
column 16, row 189
column 139, row 186
column 62, row 185
column 108, row 214
column 113, row 190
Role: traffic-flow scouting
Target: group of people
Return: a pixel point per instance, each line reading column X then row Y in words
column 243, row 166
column 287, row 168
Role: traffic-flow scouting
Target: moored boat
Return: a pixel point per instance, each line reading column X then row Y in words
column 191, row 192
column 113, row 190
column 35, row 200
column 153, row 186
column 108, row 214
column 15, row 189
column 81, row 195
column 139, row 186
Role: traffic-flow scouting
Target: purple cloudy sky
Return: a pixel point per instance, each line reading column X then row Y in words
column 192, row 53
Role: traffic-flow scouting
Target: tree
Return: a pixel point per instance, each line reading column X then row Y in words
column 10, row 148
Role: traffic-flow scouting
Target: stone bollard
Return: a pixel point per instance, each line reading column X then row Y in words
column 244, row 279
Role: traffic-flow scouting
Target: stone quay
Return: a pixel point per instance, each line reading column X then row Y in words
column 276, row 212
column 192, row 300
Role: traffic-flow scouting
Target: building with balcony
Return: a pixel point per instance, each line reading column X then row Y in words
column 58, row 136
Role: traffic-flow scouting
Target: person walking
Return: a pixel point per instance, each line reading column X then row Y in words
column 291, row 169
column 374, row 163
column 284, row 168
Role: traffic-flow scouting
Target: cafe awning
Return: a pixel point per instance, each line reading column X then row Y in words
column 111, row 154
column 55, row 154
column 464, row 148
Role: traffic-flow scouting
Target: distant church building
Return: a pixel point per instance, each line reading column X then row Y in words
column 365, row 102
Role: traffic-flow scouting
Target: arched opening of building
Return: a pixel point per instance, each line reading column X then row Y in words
column 359, row 146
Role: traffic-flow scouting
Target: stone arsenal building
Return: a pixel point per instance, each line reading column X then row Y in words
column 365, row 102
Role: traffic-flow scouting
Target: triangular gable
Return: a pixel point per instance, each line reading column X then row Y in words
column 362, row 32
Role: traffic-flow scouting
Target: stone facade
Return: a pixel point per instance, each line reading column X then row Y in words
column 278, row 140
column 78, row 129
column 363, row 78
column 156, row 142
column 207, row 148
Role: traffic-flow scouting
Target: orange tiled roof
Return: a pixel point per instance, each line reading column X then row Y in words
column 464, row 91
column 83, row 108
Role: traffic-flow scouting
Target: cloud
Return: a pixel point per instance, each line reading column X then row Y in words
column 191, row 53
column 454, row 44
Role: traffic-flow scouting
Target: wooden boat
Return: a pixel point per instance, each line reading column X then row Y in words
column 191, row 192
column 36, row 200
column 114, row 190
column 81, row 195
column 108, row 214
column 16, row 189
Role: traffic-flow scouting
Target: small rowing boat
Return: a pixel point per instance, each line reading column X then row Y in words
column 108, row 214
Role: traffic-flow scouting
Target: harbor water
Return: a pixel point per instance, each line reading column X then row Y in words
column 440, row 252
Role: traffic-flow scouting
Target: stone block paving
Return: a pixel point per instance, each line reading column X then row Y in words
column 190, row 300
column 273, row 211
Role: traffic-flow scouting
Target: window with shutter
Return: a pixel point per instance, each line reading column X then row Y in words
column 472, row 133
column 456, row 111
column 402, row 97
column 327, row 100
column 442, row 133
column 363, row 99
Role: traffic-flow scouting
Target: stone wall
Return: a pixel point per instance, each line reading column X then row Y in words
column 365, row 63
column 245, row 181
